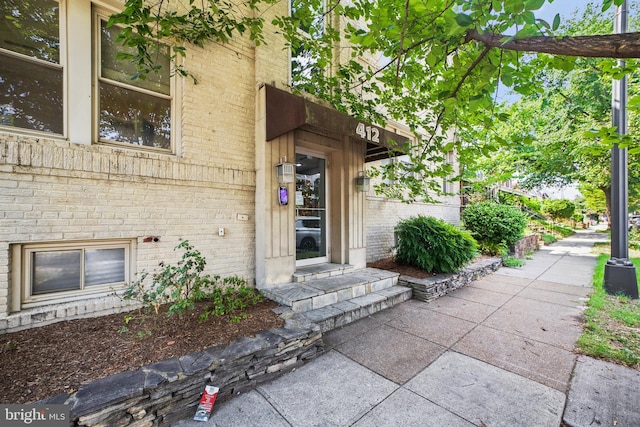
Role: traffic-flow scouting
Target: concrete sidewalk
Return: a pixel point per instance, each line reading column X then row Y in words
column 498, row 352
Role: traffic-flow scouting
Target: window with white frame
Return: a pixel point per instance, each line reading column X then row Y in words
column 31, row 71
column 60, row 74
column 66, row 271
column 131, row 111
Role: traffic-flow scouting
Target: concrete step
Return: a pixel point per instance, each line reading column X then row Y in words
column 342, row 313
column 317, row 292
column 320, row 271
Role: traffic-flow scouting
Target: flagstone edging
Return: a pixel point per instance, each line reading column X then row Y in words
column 441, row 284
column 164, row 392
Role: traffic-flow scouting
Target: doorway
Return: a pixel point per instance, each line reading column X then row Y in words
column 312, row 245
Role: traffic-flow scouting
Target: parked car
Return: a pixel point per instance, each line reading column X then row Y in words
column 308, row 233
column 634, row 222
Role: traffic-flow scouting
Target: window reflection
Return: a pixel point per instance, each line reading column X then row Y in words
column 133, row 117
column 133, row 110
column 30, row 95
column 123, row 71
column 31, row 28
column 30, row 85
column 102, row 266
column 56, row 271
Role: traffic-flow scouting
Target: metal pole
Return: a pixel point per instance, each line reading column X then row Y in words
column 619, row 272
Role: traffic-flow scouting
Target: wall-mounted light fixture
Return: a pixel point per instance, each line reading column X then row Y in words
column 286, row 172
column 362, row 182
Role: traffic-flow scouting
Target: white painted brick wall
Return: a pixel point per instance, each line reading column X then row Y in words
column 383, row 215
column 52, row 190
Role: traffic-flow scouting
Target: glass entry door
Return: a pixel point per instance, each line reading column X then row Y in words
column 311, row 210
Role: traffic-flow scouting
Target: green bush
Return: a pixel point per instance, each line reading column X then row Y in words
column 533, row 204
column 491, row 222
column 494, row 249
column 433, row 245
column 184, row 284
column 558, row 209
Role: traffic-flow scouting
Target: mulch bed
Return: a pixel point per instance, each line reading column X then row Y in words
column 42, row 362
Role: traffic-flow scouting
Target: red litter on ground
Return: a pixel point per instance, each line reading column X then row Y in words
column 206, row 403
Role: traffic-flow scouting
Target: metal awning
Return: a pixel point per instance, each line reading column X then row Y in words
column 287, row 112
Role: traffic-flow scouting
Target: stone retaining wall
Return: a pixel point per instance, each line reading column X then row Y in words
column 164, row 392
column 530, row 243
column 441, row 284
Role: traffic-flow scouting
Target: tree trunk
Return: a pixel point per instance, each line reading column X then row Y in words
column 601, row 46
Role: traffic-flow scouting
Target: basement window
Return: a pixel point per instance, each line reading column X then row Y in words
column 60, row 272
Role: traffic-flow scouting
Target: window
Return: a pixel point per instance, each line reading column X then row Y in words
column 31, row 74
column 63, row 271
column 131, row 111
column 60, row 74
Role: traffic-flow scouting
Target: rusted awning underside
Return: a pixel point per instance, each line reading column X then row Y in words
column 287, row 112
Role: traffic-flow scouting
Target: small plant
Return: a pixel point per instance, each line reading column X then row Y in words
column 493, row 249
column 184, row 284
column 494, row 223
column 230, row 295
column 548, row 238
column 512, row 262
column 433, row 245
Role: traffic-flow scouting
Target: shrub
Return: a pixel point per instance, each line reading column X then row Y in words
column 491, row 222
column 433, row 245
column 495, row 249
column 557, row 209
column 184, row 284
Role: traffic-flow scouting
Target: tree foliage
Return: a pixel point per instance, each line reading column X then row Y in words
column 562, row 133
column 436, row 67
column 558, row 208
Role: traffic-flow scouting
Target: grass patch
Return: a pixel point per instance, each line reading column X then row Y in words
column 612, row 323
column 512, row 262
column 548, row 238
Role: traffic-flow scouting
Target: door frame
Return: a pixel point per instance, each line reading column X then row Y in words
column 327, row 232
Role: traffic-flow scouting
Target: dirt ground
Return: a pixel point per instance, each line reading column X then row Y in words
column 42, row 362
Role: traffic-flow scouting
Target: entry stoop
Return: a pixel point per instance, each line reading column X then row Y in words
column 338, row 294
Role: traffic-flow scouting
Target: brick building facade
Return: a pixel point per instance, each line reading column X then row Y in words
column 90, row 197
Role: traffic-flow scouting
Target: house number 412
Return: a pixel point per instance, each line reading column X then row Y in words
column 369, row 133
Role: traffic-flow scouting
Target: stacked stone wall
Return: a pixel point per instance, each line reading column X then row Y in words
column 165, row 392
column 527, row 244
column 441, row 284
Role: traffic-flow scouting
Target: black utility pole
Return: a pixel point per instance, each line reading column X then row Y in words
column 619, row 272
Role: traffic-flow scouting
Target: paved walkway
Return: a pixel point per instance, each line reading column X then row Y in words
column 498, row 352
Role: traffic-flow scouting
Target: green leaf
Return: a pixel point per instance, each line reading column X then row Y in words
column 529, row 17
column 556, row 22
column 513, row 6
column 534, row 4
column 464, row 20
